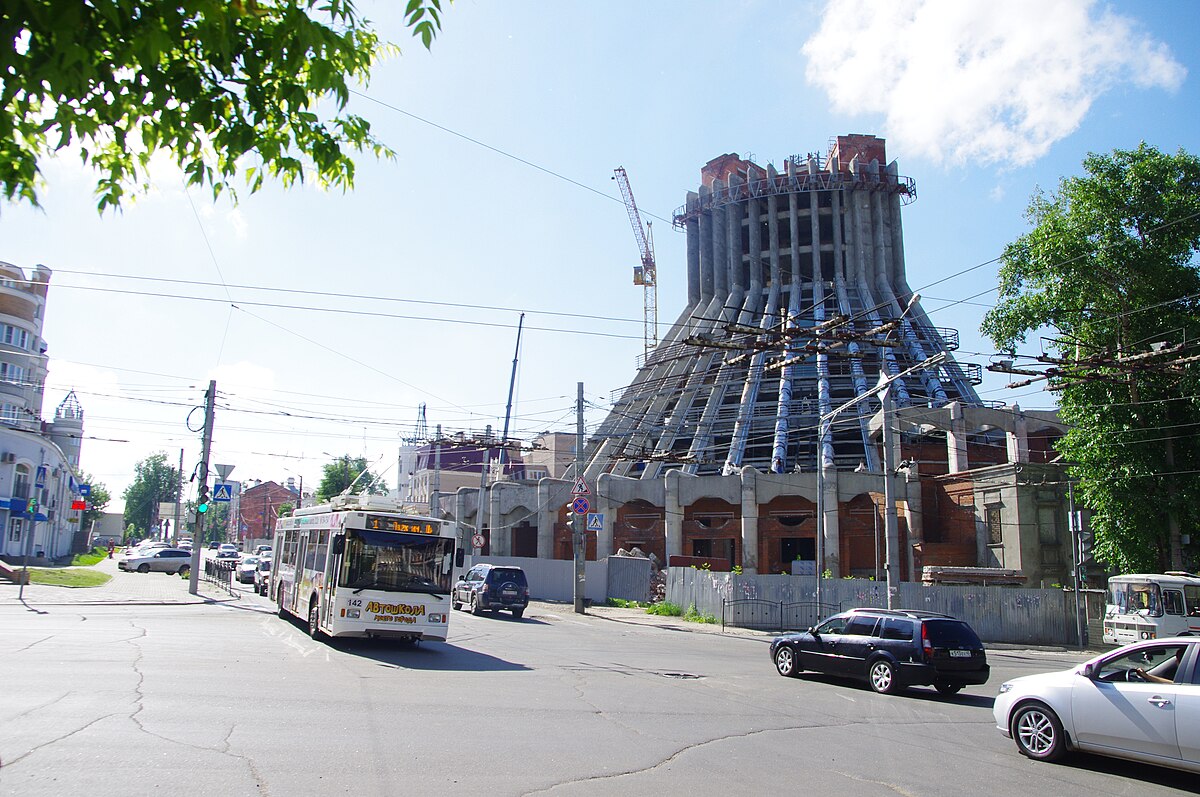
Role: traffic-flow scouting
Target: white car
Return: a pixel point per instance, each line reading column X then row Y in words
column 246, row 568
column 162, row 560
column 1140, row 702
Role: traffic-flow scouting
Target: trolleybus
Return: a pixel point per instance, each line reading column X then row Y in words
column 359, row 567
column 1151, row 606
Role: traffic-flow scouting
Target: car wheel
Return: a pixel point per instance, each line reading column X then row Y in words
column 314, row 629
column 184, row 569
column 456, row 604
column 944, row 688
column 1038, row 733
column 786, row 662
column 476, row 609
column 517, row 613
column 143, row 568
column 882, row 677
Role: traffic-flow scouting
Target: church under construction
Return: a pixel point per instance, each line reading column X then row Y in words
column 763, row 406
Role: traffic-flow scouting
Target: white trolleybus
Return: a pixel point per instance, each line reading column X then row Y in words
column 1149, row 606
column 358, row 567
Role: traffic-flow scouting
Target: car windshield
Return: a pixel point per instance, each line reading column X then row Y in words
column 952, row 632
column 250, row 561
column 506, row 575
column 264, row 564
column 397, row 562
column 1137, row 597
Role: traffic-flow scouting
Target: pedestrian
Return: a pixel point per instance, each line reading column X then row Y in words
column 111, row 547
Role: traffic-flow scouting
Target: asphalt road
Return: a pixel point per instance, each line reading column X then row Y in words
column 222, row 697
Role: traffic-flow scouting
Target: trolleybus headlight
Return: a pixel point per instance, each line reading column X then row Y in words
column 353, row 613
column 437, row 618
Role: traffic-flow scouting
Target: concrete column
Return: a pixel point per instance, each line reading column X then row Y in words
column 914, row 518
column 773, row 236
column 720, row 249
column 693, row 254
column 733, row 241
column 754, row 220
column 956, row 439
column 552, row 494
column 836, row 213
column 501, row 535
column 706, row 254
column 673, row 514
column 608, row 507
column 815, row 228
column 1018, row 438
column 749, row 520
column 794, row 230
column 832, row 542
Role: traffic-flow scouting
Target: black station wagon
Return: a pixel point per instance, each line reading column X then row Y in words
column 889, row 649
column 493, row 587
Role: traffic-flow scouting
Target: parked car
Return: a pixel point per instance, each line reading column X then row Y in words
column 889, row 649
column 163, row 560
column 228, row 550
column 212, row 546
column 492, row 587
column 262, row 576
column 262, row 550
column 245, row 570
column 1140, row 702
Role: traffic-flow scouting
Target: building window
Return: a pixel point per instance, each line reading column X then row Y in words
column 8, row 413
column 14, row 529
column 1048, row 525
column 15, row 336
column 11, row 373
column 20, row 481
column 994, row 526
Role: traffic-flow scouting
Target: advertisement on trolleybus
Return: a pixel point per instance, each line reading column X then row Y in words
column 1151, row 606
column 358, row 568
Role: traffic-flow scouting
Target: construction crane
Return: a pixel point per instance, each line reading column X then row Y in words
column 646, row 274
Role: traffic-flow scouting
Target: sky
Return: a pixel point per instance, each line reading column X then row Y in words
column 328, row 318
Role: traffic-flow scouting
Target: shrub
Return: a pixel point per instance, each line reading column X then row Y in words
column 693, row 616
column 665, row 609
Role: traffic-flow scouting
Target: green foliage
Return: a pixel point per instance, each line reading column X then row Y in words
column 1109, row 269
column 92, row 557
column 154, row 482
column 665, row 609
column 827, row 573
column 621, row 603
column 346, row 471
column 736, row 570
column 284, row 510
column 705, row 566
column 218, row 86
column 693, row 616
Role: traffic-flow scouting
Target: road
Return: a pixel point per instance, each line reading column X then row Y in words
column 223, row 697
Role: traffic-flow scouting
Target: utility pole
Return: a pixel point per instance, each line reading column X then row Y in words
column 202, row 492
column 891, row 526
column 435, row 494
column 196, row 539
column 579, row 519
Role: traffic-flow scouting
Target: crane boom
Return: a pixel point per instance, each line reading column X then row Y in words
column 646, row 274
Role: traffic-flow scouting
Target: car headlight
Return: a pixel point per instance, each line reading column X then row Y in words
column 1006, row 687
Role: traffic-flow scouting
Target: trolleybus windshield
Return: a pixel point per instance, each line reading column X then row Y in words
column 397, row 562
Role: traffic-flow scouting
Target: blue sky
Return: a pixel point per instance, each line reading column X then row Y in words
column 980, row 103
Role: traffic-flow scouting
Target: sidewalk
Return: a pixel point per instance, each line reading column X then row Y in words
column 640, row 617
column 147, row 589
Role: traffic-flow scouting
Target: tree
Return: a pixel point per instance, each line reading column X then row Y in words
column 344, row 472
column 1108, row 271
column 154, row 482
column 217, row 86
column 98, row 498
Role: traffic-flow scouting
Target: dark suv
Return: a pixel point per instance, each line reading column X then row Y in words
column 888, row 649
column 492, row 587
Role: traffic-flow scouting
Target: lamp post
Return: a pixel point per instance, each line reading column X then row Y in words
column 823, row 430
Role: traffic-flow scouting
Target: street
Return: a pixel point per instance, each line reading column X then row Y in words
column 224, row 697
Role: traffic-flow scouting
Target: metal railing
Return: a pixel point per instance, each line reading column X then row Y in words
column 220, row 572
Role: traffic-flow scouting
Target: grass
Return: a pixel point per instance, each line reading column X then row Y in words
column 665, row 609
column 693, row 616
column 90, row 558
column 67, row 576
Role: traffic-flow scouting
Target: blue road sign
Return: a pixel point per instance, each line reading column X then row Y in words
column 85, row 489
column 595, row 521
column 222, row 491
column 580, row 506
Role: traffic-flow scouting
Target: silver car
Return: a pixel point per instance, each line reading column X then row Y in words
column 1140, row 702
column 163, row 560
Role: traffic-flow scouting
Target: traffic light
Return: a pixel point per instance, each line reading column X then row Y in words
column 1086, row 540
column 202, row 500
column 32, row 507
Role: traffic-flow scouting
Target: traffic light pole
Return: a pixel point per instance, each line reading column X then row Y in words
column 202, row 492
column 578, row 520
column 1077, row 553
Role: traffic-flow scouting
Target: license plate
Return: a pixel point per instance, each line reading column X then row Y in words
column 960, row 654
column 509, row 594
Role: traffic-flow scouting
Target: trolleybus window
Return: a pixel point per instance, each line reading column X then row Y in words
column 397, row 562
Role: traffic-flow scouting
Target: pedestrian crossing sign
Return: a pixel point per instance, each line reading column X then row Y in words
column 222, row 491
column 595, row 521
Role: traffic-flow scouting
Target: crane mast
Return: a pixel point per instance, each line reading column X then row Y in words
column 646, row 274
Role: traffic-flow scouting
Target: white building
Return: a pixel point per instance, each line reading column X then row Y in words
column 39, row 460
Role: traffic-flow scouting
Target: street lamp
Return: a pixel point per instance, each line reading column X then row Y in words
column 823, row 429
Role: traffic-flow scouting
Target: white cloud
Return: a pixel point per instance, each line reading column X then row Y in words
column 980, row 81
column 244, row 376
